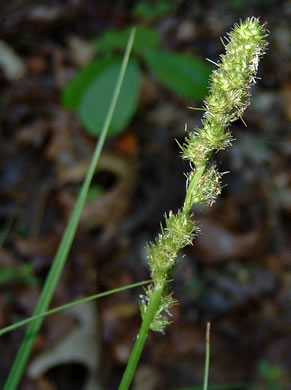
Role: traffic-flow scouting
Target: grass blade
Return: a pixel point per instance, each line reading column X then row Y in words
column 207, row 357
column 68, row 305
column 25, row 349
column 221, row 386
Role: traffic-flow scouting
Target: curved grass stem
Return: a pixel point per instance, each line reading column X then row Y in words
column 69, row 305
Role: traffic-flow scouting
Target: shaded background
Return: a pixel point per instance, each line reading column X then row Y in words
column 237, row 274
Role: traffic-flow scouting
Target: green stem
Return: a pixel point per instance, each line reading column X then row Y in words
column 155, row 300
column 153, row 307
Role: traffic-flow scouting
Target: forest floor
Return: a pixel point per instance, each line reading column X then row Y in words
column 238, row 273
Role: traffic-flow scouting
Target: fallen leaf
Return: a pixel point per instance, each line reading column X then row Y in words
column 11, row 64
column 80, row 346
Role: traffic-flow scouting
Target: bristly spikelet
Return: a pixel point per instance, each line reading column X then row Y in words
column 207, row 188
column 161, row 319
column 229, row 89
column 230, row 83
column 162, row 253
column 180, row 228
column 228, row 97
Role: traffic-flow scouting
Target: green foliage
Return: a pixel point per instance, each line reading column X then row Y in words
column 184, row 74
column 270, row 374
column 146, row 38
column 237, row 4
column 21, row 228
column 74, row 91
column 241, row 4
column 23, row 274
column 96, row 99
column 147, row 11
column 89, row 91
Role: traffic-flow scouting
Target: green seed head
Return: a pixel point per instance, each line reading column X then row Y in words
column 228, row 97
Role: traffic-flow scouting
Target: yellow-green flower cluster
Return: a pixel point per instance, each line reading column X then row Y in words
column 228, row 97
column 229, row 90
column 179, row 232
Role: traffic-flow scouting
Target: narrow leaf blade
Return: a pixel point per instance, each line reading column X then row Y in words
column 25, row 349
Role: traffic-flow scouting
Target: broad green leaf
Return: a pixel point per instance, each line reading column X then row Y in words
column 96, row 99
column 146, row 38
column 184, row 74
column 75, row 89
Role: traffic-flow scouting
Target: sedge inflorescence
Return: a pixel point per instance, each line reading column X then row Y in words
column 229, row 94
